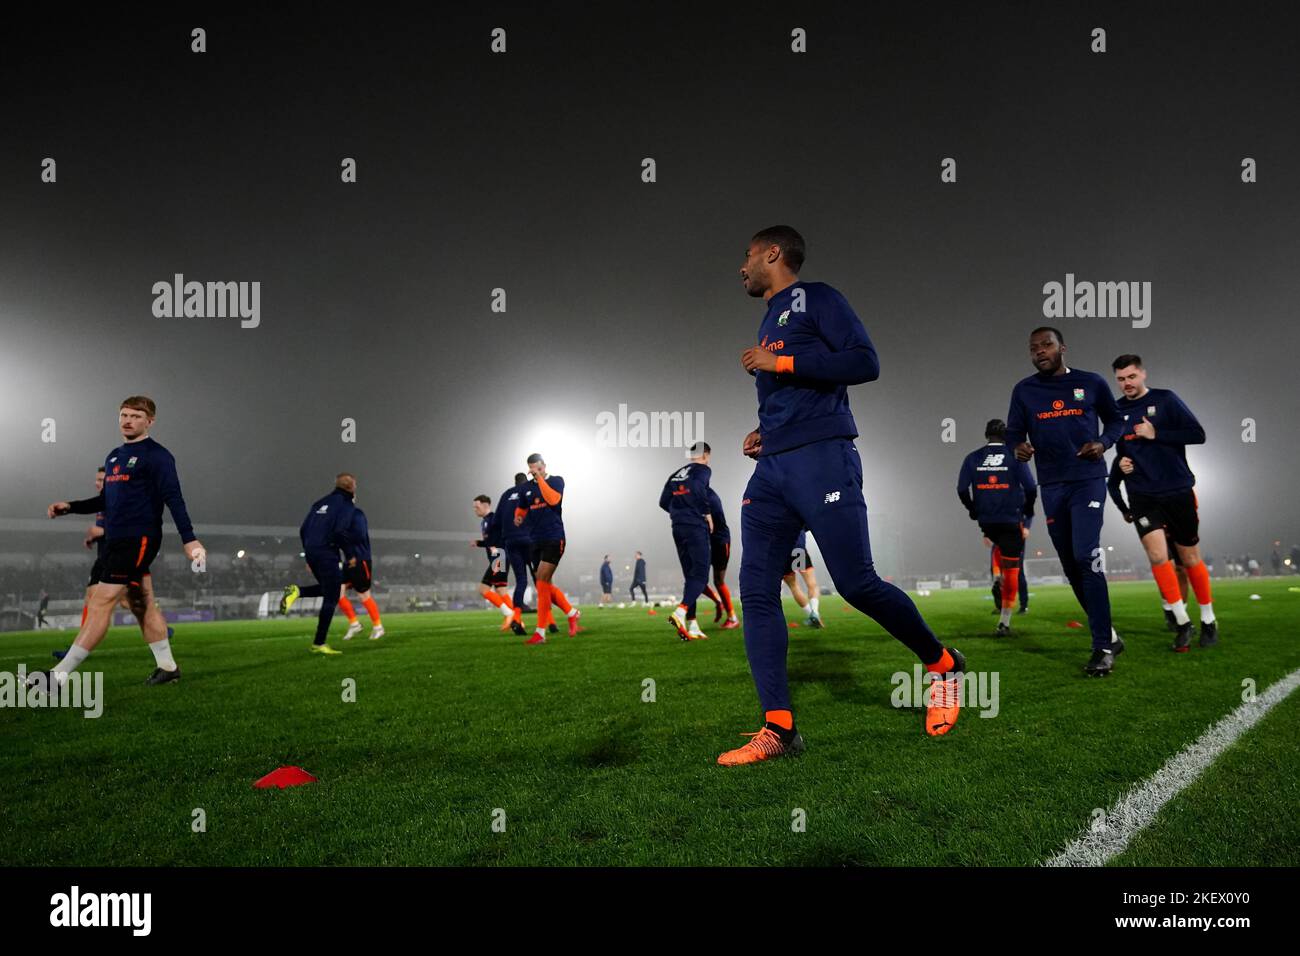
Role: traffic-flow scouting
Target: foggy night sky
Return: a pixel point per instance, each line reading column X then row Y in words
column 522, row 171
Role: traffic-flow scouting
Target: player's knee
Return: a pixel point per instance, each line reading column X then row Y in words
column 864, row 589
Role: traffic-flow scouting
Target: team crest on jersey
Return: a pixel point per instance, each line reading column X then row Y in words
column 784, row 319
column 1151, row 410
column 1078, row 394
column 130, row 462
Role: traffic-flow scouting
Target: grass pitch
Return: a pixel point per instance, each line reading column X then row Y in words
column 456, row 727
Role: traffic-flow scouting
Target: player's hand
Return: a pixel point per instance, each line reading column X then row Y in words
column 1024, row 534
column 519, row 519
column 194, row 549
column 1126, row 465
column 352, row 562
column 752, row 445
column 1024, row 451
column 58, row 508
column 1092, row 451
column 89, row 542
column 708, row 519
column 987, row 543
column 1144, row 429
column 758, row 359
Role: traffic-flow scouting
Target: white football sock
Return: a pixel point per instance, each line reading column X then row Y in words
column 1006, row 616
column 162, row 654
column 812, row 603
column 1180, row 612
column 1165, row 604
column 506, row 611
column 72, row 660
column 1207, row 613
column 572, row 612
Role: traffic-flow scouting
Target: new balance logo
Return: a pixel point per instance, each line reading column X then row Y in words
column 1094, row 504
column 322, row 509
column 832, row 496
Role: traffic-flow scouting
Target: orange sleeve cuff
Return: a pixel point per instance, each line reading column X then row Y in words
column 549, row 494
column 784, row 363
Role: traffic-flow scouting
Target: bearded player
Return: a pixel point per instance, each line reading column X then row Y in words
column 811, row 348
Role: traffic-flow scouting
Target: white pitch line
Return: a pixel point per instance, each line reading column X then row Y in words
column 1137, row 807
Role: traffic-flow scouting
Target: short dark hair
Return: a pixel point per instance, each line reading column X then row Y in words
column 101, row 468
column 1060, row 339
column 483, row 498
column 996, row 428
column 792, row 246
column 701, row 448
column 534, row 458
column 520, row 477
column 1124, row 361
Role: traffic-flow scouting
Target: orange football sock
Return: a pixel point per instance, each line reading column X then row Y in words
column 726, row 599
column 1010, row 582
column 711, row 594
column 562, row 602
column 1167, row 580
column 346, row 607
column 371, row 608
column 942, row 665
column 782, row 718
column 492, row 597
column 544, row 616
column 1199, row 576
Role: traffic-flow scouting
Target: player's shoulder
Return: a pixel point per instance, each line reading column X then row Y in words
column 823, row 296
column 1094, row 378
column 1029, row 381
column 157, row 449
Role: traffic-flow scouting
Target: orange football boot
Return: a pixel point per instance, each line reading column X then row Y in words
column 763, row 745
column 943, row 698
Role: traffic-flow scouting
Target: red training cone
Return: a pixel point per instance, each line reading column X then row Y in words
column 285, row 777
column 1074, row 624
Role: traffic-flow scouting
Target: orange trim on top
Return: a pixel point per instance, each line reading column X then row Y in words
column 144, row 545
column 549, row 494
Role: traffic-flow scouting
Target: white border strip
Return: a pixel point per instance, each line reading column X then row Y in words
column 1136, row 809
